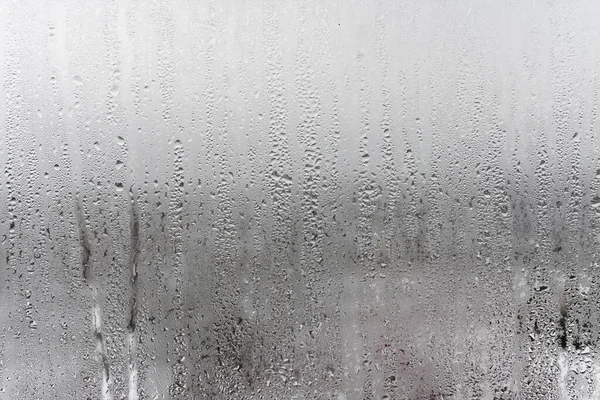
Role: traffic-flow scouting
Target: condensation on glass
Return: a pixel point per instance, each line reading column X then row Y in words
column 309, row 199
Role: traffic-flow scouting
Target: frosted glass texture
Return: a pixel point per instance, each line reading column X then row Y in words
column 313, row 199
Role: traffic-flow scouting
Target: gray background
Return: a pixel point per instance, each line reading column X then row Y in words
column 299, row 199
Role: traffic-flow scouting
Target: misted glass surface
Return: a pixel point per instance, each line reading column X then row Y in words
column 311, row 199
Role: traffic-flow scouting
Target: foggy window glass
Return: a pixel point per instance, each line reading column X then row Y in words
column 313, row 199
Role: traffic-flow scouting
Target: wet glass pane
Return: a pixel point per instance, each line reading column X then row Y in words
column 308, row 199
